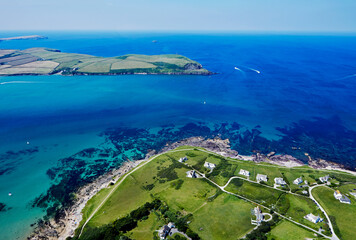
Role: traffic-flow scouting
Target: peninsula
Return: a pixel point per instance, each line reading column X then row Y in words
column 45, row 61
column 30, row 37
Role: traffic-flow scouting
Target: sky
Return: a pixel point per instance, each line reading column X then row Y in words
column 180, row 15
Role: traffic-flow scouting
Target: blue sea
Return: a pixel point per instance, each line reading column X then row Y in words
column 271, row 92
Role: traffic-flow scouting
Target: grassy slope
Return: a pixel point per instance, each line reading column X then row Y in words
column 193, row 195
column 343, row 213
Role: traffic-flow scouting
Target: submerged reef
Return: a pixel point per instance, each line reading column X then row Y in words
column 319, row 138
column 10, row 159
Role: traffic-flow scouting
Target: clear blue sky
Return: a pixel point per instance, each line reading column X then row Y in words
column 180, row 15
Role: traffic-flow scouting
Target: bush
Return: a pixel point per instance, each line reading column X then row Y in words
column 177, row 184
column 148, row 187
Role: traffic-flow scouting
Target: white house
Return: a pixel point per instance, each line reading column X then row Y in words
column 279, row 181
column 183, row 159
column 209, row 165
column 298, row 181
column 314, row 219
column 337, row 194
column 259, row 216
column 192, row 174
column 345, row 199
column 341, row 198
column 244, row 172
column 324, row 179
column 261, row 178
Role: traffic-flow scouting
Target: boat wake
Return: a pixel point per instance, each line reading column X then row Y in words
column 252, row 69
column 255, row 70
column 349, row 76
column 238, row 69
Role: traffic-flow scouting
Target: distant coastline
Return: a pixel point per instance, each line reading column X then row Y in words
column 29, row 37
column 45, row 61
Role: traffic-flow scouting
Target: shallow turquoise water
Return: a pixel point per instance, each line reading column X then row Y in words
column 301, row 77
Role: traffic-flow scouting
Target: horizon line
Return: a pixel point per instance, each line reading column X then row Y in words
column 185, row 31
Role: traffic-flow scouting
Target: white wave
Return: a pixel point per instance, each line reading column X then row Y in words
column 13, row 82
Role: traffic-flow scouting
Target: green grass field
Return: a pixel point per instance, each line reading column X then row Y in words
column 256, row 192
column 287, row 230
column 342, row 215
column 227, row 217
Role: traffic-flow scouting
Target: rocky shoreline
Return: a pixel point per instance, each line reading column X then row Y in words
column 66, row 226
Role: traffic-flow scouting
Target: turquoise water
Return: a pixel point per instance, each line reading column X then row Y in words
column 301, row 77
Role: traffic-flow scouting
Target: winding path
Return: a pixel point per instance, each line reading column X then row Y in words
column 333, row 237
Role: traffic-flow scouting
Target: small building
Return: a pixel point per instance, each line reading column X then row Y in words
column 261, row 178
column 259, row 216
column 305, row 192
column 209, row 165
column 279, row 181
column 244, row 172
column 192, row 174
column 337, row 194
column 298, row 181
column 345, row 199
column 314, row 219
column 164, row 232
column 183, row 159
column 324, row 179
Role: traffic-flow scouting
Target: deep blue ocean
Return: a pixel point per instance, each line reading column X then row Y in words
column 271, row 92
